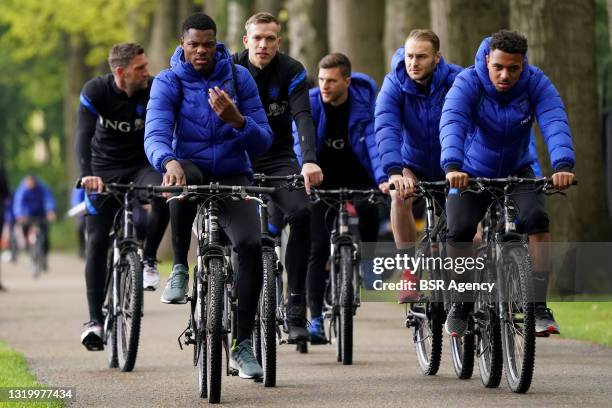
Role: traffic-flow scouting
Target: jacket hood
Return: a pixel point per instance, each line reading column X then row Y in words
column 362, row 91
column 400, row 76
column 186, row 71
column 483, row 74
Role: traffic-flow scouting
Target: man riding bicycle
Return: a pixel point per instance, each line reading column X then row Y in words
column 281, row 82
column 485, row 131
column 408, row 111
column 342, row 108
column 110, row 132
column 33, row 202
column 203, row 120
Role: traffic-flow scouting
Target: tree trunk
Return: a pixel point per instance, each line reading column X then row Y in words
column 238, row 12
column 308, row 32
column 582, row 216
column 271, row 6
column 347, row 34
column 76, row 74
column 162, row 36
column 401, row 17
column 463, row 24
column 217, row 9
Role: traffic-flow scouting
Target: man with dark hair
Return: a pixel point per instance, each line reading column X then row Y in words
column 492, row 105
column 283, row 90
column 343, row 112
column 203, row 120
column 408, row 111
column 109, row 143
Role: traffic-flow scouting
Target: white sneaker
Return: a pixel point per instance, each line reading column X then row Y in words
column 150, row 278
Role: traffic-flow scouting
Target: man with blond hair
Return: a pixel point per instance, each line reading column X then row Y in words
column 283, row 89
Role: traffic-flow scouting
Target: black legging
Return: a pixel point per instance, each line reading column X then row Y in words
column 240, row 222
column 295, row 205
column 321, row 226
column 99, row 225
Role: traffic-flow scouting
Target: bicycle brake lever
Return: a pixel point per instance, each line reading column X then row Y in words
column 180, row 197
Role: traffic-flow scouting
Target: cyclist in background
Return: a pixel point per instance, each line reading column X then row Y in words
column 203, row 120
column 110, row 134
column 408, row 111
column 33, row 199
column 493, row 104
column 283, row 90
column 343, row 112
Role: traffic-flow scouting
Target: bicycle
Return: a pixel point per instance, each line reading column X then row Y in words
column 269, row 318
column 123, row 304
column 506, row 317
column 35, row 242
column 342, row 293
column 427, row 315
column 213, row 301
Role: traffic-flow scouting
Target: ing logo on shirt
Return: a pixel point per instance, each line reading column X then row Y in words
column 337, row 144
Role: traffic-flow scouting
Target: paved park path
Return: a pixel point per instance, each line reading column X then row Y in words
column 42, row 319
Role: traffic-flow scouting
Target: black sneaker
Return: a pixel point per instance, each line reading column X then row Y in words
column 457, row 319
column 545, row 323
column 91, row 337
column 295, row 323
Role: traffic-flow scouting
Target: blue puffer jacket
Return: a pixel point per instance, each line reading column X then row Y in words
column 407, row 120
column 362, row 96
column 200, row 135
column 36, row 202
column 486, row 133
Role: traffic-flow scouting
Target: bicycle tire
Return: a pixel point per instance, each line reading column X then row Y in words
column 488, row 337
column 198, row 304
column 267, row 313
column 346, row 305
column 214, row 329
column 518, row 288
column 428, row 352
column 128, row 322
column 109, row 320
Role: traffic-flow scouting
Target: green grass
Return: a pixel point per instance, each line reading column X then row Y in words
column 589, row 321
column 14, row 373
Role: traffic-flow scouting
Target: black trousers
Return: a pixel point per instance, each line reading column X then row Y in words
column 99, row 225
column 296, row 209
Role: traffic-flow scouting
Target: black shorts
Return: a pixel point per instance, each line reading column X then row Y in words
column 464, row 212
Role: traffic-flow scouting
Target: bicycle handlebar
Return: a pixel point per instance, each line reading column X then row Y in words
column 212, row 188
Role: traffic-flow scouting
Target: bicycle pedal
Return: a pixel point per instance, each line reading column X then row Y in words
column 233, row 372
column 258, row 379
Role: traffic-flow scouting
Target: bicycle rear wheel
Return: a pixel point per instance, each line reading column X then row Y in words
column 130, row 303
column 488, row 335
column 110, row 333
column 427, row 319
column 214, row 329
column 267, row 323
column 346, row 305
column 518, row 321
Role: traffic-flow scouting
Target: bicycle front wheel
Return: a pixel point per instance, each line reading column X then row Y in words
column 214, row 329
column 518, row 321
column 130, row 306
column 346, row 305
